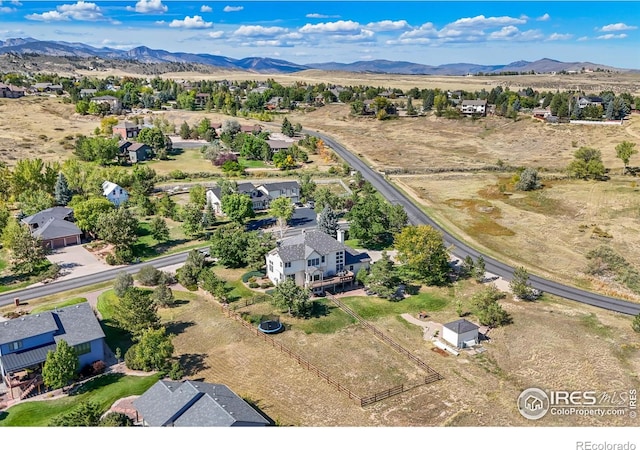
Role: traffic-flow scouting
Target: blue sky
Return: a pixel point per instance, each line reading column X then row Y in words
column 303, row 32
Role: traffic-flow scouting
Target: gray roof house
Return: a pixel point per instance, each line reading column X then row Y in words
column 195, row 404
column 460, row 333
column 54, row 227
column 315, row 260
column 25, row 341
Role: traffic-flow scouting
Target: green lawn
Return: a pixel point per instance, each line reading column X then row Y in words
column 238, row 291
column 62, row 304
column 147, row 247
column 372, row 307
column 252, row 164
column 116, row 337
column 326, row 318
column 103, row 390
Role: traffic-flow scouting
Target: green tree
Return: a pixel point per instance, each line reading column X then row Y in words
column 86, row 414
column 624, row 151
column 189, row 274
column 467, row 268
column 82, row 107
column 185, row 130
column 86, row 213
column 440, row 102
column 287, row 128
column 97, row 149
column 519, row 285
column 237, row 207
column 423, row 251
column 27, row 252
column 282, row 209
column 198, row 196
column 149, row 276
column 397, row 218
column 136, row 311
column 122, row 283
column 62, row 193
column 383, row 279
column 118, row 227
column 61, row 366
column 258, row 244
column 307, row 187
column 115, row 419
column 166, row 207
column 587, row 164
column 369, row 222
column 34, row 201
column 214, row 285
column 323, row 196
column 209, row 216
column 153, row 137
column 152, row 351
column 295, row 298
column 159, row 229
column 488, row 310
column 528, row 180
column 479, row 270
column 162, row 296
column 328, row 222
column 191, row 216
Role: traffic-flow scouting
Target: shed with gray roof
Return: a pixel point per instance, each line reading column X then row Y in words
column 195, row 404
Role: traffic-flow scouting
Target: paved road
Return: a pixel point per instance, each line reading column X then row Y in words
column 461, row 250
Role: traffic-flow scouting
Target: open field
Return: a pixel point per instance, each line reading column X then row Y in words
column 552, row 344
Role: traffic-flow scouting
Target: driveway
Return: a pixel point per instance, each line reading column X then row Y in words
column 76, row 261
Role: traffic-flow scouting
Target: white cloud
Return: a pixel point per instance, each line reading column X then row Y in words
column 582, row 39
column 341, row 26
column 149, row 7
column 617, row 27
column 559, row 37
column 504, row 33
column 216, row 34
column 191, row 23
column 425, row 30
column 160, row 22
column 76, row 11
column 206, row 9
column 388, row 25
column 6, row 9
column 486, row 22
column 544, row 17
column 259, row 31
column 364, row 35
column 233, row 8
column 321, row 16
column 266, row 43
column 612, row 36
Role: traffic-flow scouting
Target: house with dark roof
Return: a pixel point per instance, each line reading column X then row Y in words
column 126, row 129
column 25, row 342
column 261, row 196
column 195, row 404
column 474, row 107
column 289, row 189
column 10, row 91
column 114, row 102
column 315, row 260
column 138, row 152
column 276, row 145
column 54, row 227
column 460, row 333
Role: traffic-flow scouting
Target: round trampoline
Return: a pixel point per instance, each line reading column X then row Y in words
column 270, row 325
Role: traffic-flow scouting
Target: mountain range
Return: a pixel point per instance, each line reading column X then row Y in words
column 30, row 46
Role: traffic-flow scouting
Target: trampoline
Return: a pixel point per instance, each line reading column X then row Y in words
column 270, row 325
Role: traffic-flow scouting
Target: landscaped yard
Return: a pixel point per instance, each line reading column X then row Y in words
column 147, row 247
column 104, row 391
column 55, row 305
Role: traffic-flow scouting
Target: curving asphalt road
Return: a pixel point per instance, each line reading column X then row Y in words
column 461, row 250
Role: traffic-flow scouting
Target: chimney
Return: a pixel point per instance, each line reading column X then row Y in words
column 340, row 233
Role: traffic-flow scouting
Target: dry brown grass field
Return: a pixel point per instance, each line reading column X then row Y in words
column 553, row 344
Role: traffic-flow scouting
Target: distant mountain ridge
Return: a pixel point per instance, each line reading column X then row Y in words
column 270, row 65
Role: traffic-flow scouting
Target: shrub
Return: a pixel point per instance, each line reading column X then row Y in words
column 95, row 368
column 177, row 174
column 253, row 274
column 266, row 285
column 149, row 276
column 110, row 259
column 224, row 157
column 115, row 419
column 252, row 280
column 253, row 285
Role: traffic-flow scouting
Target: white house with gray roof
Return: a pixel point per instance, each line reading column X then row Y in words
column 460, row 333
column 25, row 341
column 261, row 196
column 54, row 227
column 195, row 404
column 315, row 260
column 114, row 193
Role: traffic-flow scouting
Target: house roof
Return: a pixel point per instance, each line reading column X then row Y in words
column 301, row 246
column 28, row 358
column 279, row 186
column 461, row 326
column 104, row 98
column 278, row 145
column 42, row 217
column 474, row 103
column 137, row 146
column 57, row 228
column 216, row 191
column 354, row 257
column 125, row 125
column 250, row 128
column 108, row 187
column 123, row 144
column 246, row 188
column 191, row 403
column 75, row 324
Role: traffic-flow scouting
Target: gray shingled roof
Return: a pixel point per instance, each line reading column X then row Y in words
column 193, row 404
column 461, row 326
column 246, row 188
column 57, row 228
column 42, row 217
column 474, row 102
column 138, row 146
column 278, row 186
column 29, row 358
column 75, row 324
column 301, row 246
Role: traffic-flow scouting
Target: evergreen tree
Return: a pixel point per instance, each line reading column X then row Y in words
column 287, row 128
column 209, row 216
column 122, row 282
column 479, row 269
column 328, row 222
column 62, row 192
column 61, row 366
column 136, row 311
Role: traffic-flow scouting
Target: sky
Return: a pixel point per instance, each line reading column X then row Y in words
column 433, row 33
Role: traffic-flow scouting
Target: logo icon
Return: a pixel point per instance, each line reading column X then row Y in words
column 533, row 403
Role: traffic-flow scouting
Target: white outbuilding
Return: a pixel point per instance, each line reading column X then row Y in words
column 460, row 333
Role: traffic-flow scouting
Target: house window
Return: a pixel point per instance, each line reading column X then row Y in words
column 83, row 349
column 280, row 263
column 291, row 277
column 270, row 266
column 351, row 268
column 323, row 258
column 339, row 258
column 13, row 346
column 313, row 262
column 287, row 265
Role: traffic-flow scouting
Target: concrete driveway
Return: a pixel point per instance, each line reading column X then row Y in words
column 76, row 261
